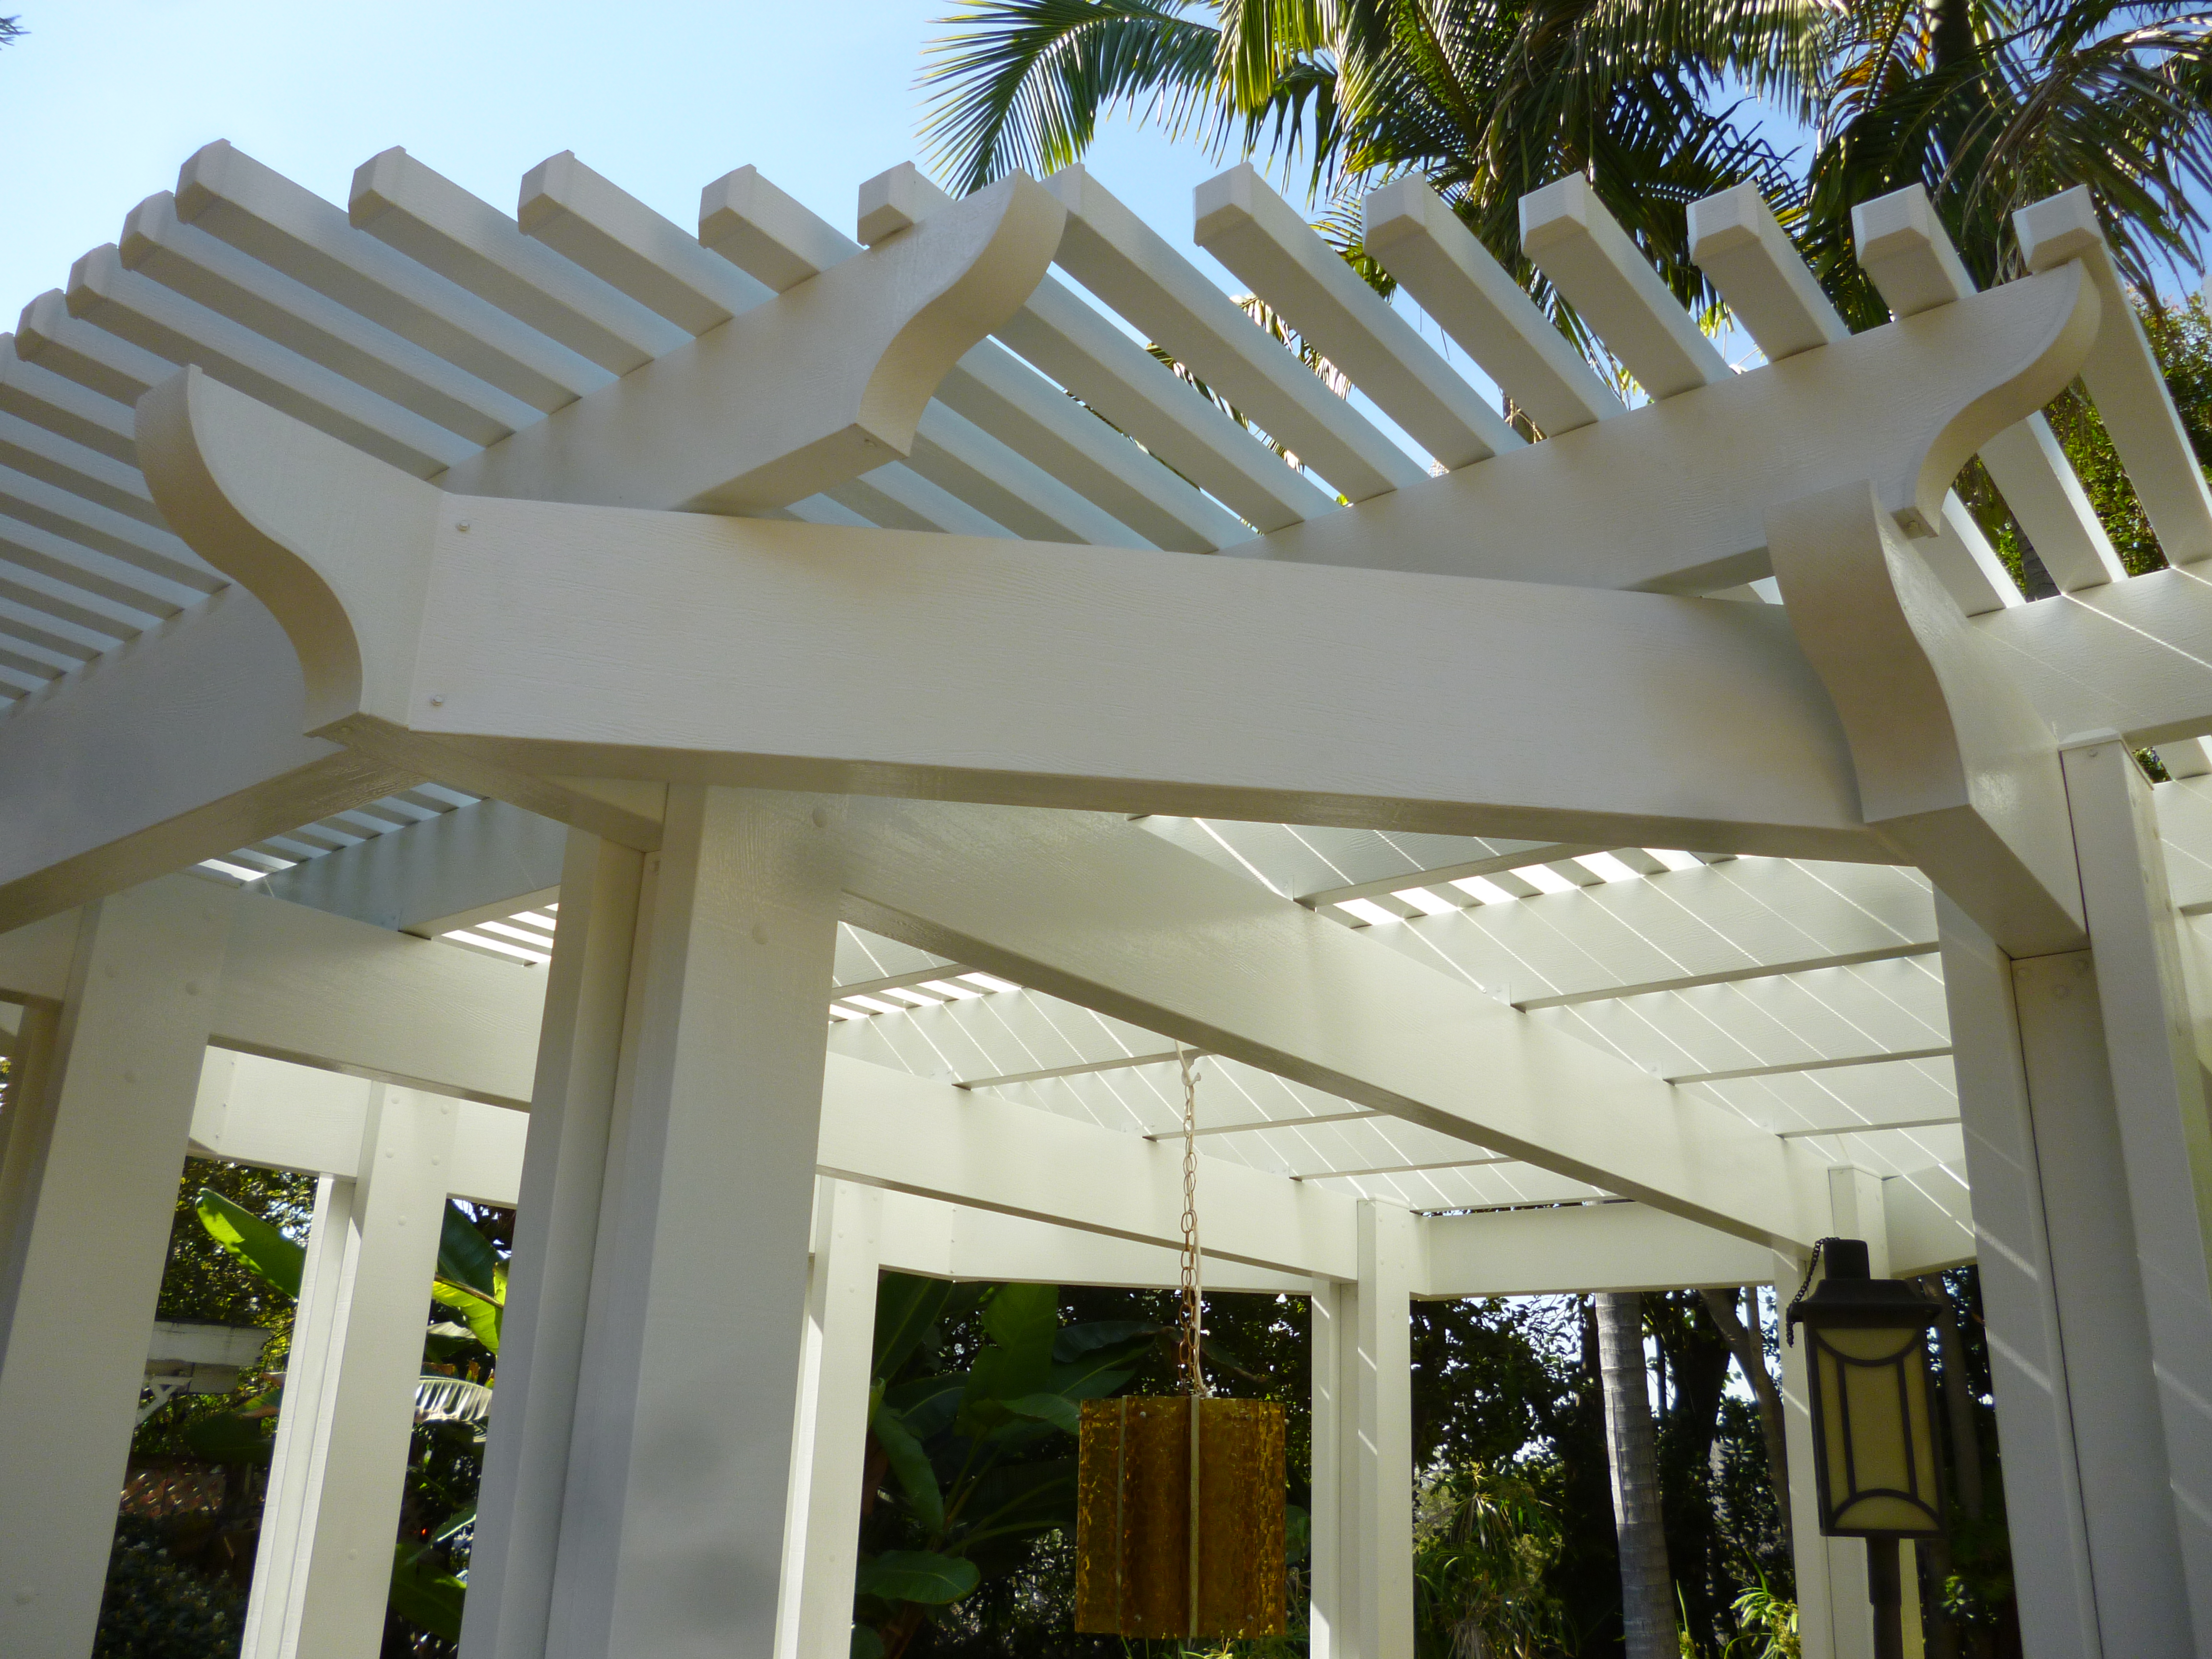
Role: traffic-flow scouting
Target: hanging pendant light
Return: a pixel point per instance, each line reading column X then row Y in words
column 1180, row 1502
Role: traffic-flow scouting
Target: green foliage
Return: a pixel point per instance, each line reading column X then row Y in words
column 207, row 1278
column 1486, row 1541
column 260, row 1246
column 978, row 1459
column 157, row 1608
column 2181, row 335
column 1766, row 1625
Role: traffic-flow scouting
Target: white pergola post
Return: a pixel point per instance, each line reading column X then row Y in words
column 830, row 1442
column 87, row 1189
column 556, row 1229
column 1362, row 1448
column 295, row 1473
column 677, row 1496
column 365, row 1353
column 2097, row 1556
column 2159, row 1111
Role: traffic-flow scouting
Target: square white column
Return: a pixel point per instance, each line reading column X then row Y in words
column 94, row 1145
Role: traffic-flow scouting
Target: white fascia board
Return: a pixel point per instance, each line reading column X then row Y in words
column 1575, row 1248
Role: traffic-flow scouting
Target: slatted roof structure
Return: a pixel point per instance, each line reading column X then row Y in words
column 1659, row 764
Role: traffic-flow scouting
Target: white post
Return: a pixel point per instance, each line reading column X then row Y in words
column 2096, row 1557
column 830, row 1443
column 1366, row 1607
column 340, row 1579
column 672, row 1541
column 2163, row 1134
column 1332, row 1590
column 87, row 1189
column 296, row 1491
column 557, row 1230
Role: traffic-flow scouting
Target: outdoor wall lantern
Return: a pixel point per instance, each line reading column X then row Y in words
column 1874, row 1443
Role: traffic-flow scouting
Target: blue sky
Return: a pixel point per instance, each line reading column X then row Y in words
column 103, row 100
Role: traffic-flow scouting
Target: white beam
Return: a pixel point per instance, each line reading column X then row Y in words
column 1954, row 767
column 1130, row 266
column 1734, row 238
column 1577, row 1249
column 289, row 228
column 1258, row 235
column 162, row 784
column 1413, row 234
column 1094, row 911
column 903, row 709
column 1686, row 490
column 2125, row 381
column 859, row 351
column 1566, row 231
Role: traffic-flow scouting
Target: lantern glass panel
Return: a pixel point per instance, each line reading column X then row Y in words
column 1877, row 1466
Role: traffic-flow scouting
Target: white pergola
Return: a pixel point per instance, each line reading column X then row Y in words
column 728, row 698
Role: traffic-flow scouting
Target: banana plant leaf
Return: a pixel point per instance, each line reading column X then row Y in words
column 911, row 1463
column 480, row 1314
column 1020, row 1497
column 465, row 1257
column 1021, row 1321
column 426, row 1597
column 907, row 1308
column 1054, row 1410
column 1098, row 1371
column 934, row 1581
column 927, row 1404
column 252, row 1241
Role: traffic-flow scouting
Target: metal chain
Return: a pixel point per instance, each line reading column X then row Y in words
column 1194, row 1372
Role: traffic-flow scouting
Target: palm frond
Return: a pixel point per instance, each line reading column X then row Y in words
column 1022, row 83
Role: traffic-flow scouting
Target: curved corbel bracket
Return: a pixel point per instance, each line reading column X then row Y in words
column 2048, row 344
column 802, row 392
column 335, row 543
column 1956, row 771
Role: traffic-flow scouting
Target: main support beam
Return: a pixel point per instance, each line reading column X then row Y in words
column 1089, row 909
column 94, row 1138
column 809, row 656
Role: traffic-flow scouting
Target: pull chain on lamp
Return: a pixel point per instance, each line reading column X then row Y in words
column 1180, row 1501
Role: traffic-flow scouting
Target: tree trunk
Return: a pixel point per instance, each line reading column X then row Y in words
column 1751, row 1359
column 1647, row 1594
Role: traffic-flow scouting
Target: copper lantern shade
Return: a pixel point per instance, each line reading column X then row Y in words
column 1159, row 1552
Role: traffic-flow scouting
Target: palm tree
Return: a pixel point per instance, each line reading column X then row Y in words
column 1992, row 104
column 1988, row 103
column 1647, row 1590
column 1491, row 99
